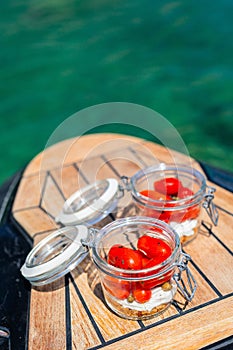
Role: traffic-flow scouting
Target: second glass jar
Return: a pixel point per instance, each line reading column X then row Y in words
column 173, row 194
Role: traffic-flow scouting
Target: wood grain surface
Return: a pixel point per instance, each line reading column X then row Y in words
column 71, row 313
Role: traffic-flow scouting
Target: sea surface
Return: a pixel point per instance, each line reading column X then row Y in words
column 58, row 57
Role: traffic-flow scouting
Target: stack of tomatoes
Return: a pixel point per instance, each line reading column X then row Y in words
column 150, row 252
column 169, row 191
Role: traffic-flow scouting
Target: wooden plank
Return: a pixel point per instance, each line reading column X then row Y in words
column 223, row 198
column 67, row 180
column 224, row 229
column 95, row 169
column 213, row 259
column 126, row 162
column 191, row 331
column 170, row 156
column 47, row 321
column 35, row 220
column 28, row 186
column 84, row 335
column 53, row 198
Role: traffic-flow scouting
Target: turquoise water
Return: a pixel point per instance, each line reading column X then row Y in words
column 58, row 57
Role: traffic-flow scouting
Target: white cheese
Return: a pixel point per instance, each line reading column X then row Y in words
column 159, row 296
column 185, row 228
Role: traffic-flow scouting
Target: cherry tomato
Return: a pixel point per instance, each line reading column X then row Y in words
column 191, row 213
column 168, row 186
column 156, row 195
column 177, row 215
column 117, row 287
column 185, row 192
column 152, row 213
column 154, row 248
column 142, row 295
column 112, row 254
column 145, row 260
column 165, row 215
column 125, row 258
column 154, row 282
column 156, row 230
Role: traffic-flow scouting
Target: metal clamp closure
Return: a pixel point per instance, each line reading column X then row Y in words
column 89, row 241
column 125, row 185
column 189, row 286
column 210, row 206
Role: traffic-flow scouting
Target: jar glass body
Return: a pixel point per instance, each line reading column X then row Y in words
column 181, row 211
column 136, row 294
column 132, row 292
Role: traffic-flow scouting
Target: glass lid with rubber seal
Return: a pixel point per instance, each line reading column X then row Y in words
column 56, row 255
column 90, row 204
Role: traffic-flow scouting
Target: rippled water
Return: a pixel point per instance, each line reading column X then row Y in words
column 58, row 57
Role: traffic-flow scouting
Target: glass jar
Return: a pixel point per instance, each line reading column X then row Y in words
column 175, row 195
column 135, row 294
column 181, row 209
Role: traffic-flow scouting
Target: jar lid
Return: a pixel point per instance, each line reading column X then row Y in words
column 56, row 255
column 90, row 204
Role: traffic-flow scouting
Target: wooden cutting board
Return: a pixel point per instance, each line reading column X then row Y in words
column 71, row 313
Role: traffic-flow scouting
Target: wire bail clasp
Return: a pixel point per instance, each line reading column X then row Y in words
column 125, row 185
column 209, row 205
column 188, row 287
column 88, row 242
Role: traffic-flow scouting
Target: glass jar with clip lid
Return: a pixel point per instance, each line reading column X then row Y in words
column 139, row 260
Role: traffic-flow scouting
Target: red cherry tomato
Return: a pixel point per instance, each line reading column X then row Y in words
column 153, row 262
column 145, row 260
column 156, row 195
column 165, row 215
column 161, row 215
column 168, row 186
column 142, row 295
column 154, row 248
column 191, row 213
column 154, row 282
column 177, row 216
column 152, row 213
column 185, row 192
column 117, row 287
column 113, row 253
column 125, row 258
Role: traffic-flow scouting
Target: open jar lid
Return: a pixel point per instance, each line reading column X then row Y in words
column 56, row 255
column 90, row 204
